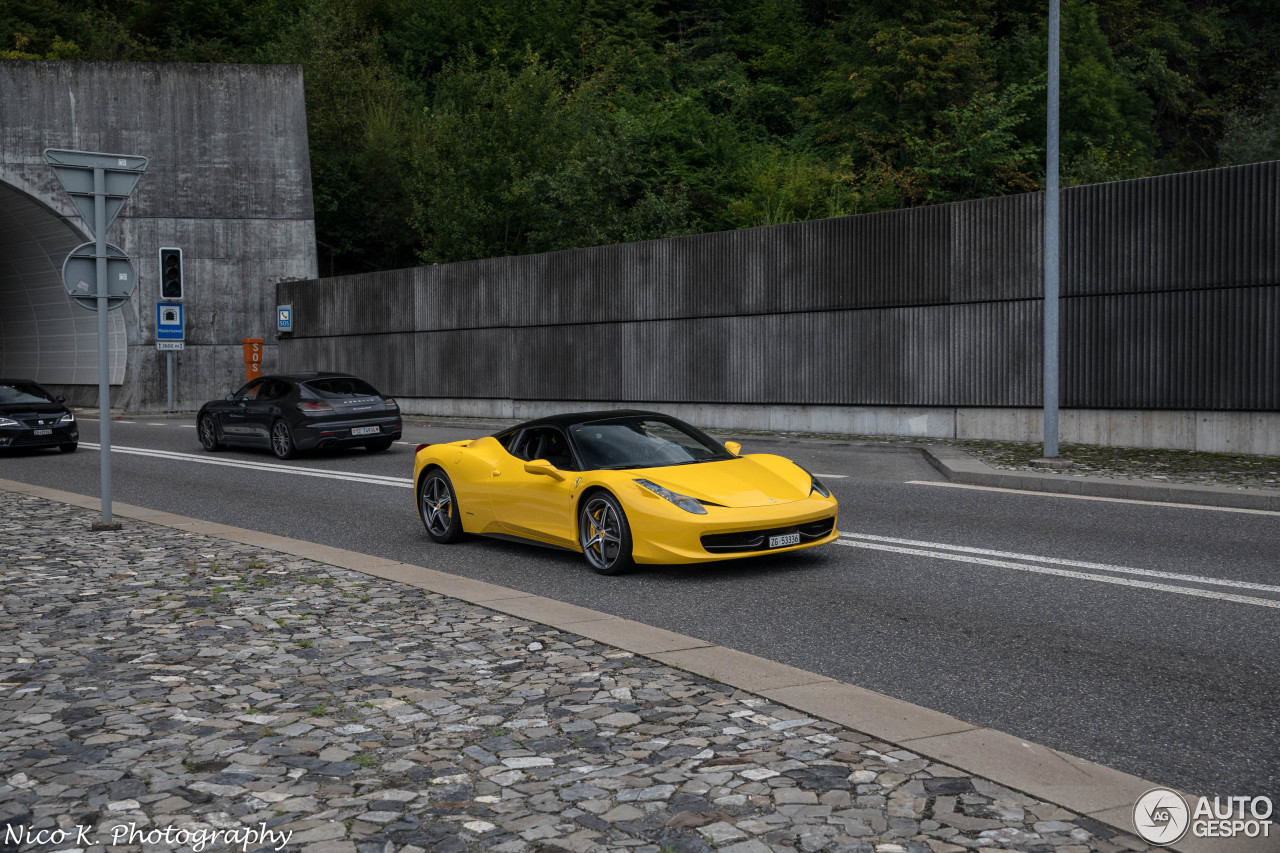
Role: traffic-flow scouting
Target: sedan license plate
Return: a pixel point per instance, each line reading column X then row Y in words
column 42, row 431
column 373, row 430
column 784, row 540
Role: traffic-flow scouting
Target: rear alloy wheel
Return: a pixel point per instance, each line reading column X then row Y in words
column 438, row 508
column 282, row 440
column 379, row 445
column 209, row 434
column 605, row 535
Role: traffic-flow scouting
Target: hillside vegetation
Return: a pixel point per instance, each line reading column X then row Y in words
column 445, row 130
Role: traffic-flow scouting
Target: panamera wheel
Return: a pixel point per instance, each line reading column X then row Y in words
column 209, row 434
column 282, row 440
column 604, row 534
column 439, row 508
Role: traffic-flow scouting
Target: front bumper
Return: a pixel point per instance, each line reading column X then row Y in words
column 18, row 437
column 659, row 535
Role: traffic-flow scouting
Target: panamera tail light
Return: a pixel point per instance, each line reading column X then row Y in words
column 314, row 407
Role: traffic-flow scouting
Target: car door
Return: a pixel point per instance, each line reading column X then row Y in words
column 262, row 410
column 235, row 417
column 536, row 506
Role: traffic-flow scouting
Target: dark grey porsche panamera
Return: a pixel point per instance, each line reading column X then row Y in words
column 301, row 411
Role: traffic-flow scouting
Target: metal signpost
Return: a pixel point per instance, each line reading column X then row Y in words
column 101, row 279
column 170, row 336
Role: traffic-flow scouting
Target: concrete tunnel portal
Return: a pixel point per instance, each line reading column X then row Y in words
column 44, row 335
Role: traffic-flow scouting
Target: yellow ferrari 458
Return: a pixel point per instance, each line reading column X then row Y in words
column 621, row 487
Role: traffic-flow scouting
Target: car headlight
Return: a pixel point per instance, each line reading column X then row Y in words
column 68, row 418
column 685, row 502
column 9, row 422
column 815, row 485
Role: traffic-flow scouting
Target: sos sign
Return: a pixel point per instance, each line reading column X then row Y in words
column 252, row 358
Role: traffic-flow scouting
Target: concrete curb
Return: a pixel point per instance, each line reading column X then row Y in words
column 1098, row 792
column 960, row 467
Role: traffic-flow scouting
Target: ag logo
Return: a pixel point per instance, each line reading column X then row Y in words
column 1161, row 816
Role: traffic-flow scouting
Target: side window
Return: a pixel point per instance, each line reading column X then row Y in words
column 250, row 391
column 544, row 443
column 555, row 449
column 273, row 389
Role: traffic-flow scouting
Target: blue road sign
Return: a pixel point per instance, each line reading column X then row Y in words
column 169, row 325
column 284, row 318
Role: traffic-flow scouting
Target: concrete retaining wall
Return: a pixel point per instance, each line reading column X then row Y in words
column 914, row 322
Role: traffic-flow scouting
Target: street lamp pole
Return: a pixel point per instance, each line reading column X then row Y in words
column 1051, row 232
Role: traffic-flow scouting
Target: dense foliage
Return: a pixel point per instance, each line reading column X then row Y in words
column 444, row 130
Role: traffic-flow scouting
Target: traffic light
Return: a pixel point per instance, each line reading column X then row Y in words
column 170, row 273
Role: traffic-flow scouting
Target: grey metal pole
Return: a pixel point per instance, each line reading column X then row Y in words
column 1051, row 234
column 169, row 371
column 104, row 379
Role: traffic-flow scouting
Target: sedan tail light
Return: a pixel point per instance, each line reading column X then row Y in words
column 314, row 407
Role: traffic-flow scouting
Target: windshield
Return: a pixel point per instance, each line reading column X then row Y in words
column 341, row 387
column 23, row 392
column 643, row 442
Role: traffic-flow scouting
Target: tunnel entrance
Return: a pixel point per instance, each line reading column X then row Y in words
column 43, row 334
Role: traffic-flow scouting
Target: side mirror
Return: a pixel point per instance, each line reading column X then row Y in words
column 733, row 447
column 60, row 398
column 231, row 397
column 542, row 466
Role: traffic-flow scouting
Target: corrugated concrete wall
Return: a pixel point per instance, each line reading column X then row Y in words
column 1171, row 301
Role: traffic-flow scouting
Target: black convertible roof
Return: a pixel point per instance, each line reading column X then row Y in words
column 569, row 418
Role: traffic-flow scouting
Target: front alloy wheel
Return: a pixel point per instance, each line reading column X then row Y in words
column 209, row 434
column 282, row 440
column 438, row 509
column 604, row 535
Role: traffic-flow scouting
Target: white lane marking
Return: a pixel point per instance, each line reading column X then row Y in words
column 155, row 423
column 187, row 426
column 1030, row 493
column 833, row 476
column 1064, row 573
column 372, row 479
column 1079, row 564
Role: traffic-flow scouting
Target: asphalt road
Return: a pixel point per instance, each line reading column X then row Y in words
column 1141, row 636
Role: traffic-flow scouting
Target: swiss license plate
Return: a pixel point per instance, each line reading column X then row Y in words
column 373, row 430
column 784, row 540
column 43, row 431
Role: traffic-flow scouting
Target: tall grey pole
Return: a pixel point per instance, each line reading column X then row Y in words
column 104, row 384
column 169, row 374
column 1051, row 232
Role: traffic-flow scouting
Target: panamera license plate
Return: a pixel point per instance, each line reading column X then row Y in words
column 784, row 540
column 42, row 431
column 373, row 430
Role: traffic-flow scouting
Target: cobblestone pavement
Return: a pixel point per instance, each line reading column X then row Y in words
column 158, row 686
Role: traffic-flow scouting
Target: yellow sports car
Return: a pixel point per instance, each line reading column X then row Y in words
column 621, row 487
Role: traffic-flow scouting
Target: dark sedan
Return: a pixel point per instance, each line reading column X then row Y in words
column 32, row 417
column 301, row 411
